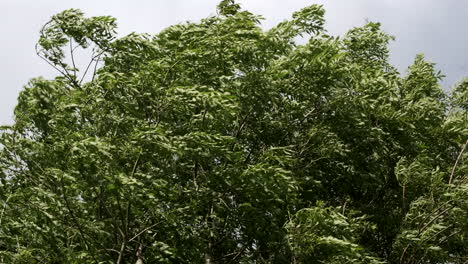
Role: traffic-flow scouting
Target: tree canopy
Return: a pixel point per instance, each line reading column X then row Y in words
column 221, row 142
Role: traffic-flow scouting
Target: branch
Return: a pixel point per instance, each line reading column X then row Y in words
column 456, row 162
column 109, row 249
column 4, row 207
column 300, row 122
column 126, row 219
column 139, row 254
column 170, row 68
column 404, row 253
column 432, row 213
column 93, row 57
column 135, row 165
column 432, row 220
column 48, row 62
column 449, row 236
column 122, row 247
column 237, row 254
column 75, row 220
column 242, row 123
column 95, row 67
column 241, row 127
column 143, row 231
column 65, row 74
column 72, row 57
column 438, row 233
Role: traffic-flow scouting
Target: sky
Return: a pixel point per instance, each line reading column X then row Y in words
column 436, row 28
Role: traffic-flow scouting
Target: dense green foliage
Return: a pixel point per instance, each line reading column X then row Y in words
column 219, row 142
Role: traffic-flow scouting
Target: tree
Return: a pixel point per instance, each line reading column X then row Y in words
column 219, row 142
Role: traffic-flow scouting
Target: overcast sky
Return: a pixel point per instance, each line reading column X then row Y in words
column 437, row 28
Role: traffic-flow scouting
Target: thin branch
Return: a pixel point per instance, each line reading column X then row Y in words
column 4, row 207
column 135, row 165
column 403, row 196
column 109, row 249
column 139, row 254
column 87, row 68
column 122, row 250
column 242, row 123
column 404, row 253
column 195, row 176
column 93, row 58
column 72, row 57
column 344, row 207
column 75, row 220
column 449, row 236
column 456, row 162
column 65, row 74
column 433, row 212
column 237, row 254
column 143, row 231
column 432, row 220
column 127, row 219
column 95, row 67
column 208, row 257
column 300, row 122
column 50, row 63
column 170, row 68
column 241, row 127
column 437, row 234
column 124, row 234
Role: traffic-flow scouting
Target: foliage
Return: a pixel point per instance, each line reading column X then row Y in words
column 219, row 142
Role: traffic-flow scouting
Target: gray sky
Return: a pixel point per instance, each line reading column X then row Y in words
column 437, row 28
